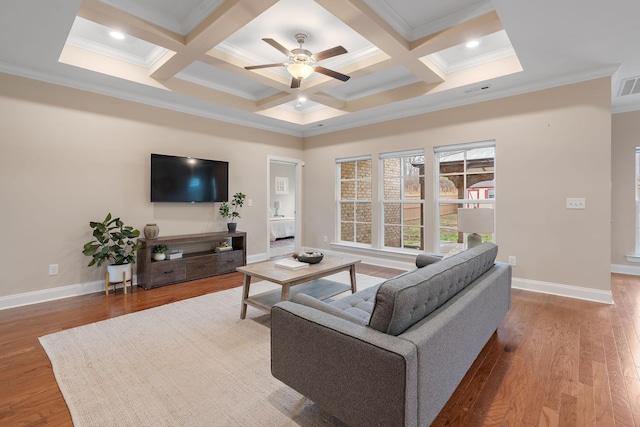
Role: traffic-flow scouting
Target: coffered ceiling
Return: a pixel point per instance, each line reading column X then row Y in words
column 403, row 57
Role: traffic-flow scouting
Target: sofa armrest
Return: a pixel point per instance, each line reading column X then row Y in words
column 362, row 376
column 423, row 260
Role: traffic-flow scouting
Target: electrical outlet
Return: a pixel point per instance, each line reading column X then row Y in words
column 249, row 202
column 53, row 269
column 576, row 203
column 512, row 260
column 325, row 239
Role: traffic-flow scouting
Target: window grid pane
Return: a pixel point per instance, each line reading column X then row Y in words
column 364, row 169
column 467, row 178
column 403, row 201
column 392, row 189
column 364, row 189
column 354, row 202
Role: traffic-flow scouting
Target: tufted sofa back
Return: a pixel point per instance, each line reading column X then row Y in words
column 406, row 299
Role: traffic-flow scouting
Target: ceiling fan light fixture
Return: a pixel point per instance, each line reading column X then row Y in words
column 302, row 62
column 300, row 70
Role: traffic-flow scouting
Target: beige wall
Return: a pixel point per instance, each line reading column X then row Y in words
column 68, row 157
column 625, row 138
column 550, row 145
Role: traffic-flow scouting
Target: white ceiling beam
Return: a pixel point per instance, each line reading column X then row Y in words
column 224, row 21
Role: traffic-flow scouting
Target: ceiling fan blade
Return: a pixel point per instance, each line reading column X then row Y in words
column 278, row 46
column 329, row 53
column 255, row 67
column 295, row 83
column 331, row 73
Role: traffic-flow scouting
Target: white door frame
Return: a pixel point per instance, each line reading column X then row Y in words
column 298, row 196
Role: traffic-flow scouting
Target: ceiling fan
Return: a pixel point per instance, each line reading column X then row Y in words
column 302, row 62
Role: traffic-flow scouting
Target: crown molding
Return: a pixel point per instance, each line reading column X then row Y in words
column 101, row 49
column 75, row 83
column 398, row 111
column 448, row 68
column 354, row 120
column 382, row 9
column 625, row 109
column 197, row 15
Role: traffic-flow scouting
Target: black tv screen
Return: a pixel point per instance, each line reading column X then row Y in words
column 185, row 179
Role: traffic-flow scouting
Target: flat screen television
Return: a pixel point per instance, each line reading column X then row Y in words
column 185, row 179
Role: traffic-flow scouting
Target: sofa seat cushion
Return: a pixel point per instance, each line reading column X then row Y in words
column 406, row 299
column 359, row 304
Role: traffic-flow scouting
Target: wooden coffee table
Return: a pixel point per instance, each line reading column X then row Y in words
column 306, row 280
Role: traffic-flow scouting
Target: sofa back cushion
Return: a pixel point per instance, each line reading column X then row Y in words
column 406, row 299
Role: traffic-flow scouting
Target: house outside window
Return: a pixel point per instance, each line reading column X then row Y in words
column 402, row 196
column 465, row 178
column 354, row 200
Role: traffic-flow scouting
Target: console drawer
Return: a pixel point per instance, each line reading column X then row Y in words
column 201, row 266
column 165, row 272
column 228, row 261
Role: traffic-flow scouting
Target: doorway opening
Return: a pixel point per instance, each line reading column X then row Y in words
column 283, row 226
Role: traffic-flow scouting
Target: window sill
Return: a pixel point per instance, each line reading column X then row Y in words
column 400, row 258
column 633, row 258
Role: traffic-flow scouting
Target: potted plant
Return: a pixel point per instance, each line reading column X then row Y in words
column 229, row 210
column 159, row 252
column 113, row 243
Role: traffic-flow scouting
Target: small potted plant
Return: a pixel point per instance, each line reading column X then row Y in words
column 113, row 243
column 229, row 210
column 159, row 252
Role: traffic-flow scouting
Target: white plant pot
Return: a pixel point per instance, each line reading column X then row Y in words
column 115, row 272
column 159, row 257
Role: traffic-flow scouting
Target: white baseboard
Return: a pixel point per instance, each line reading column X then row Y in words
column 577, row 292
column 28, row 298
column 406, row 262
column 257, row 258
column 625, row 269
column 606, row 297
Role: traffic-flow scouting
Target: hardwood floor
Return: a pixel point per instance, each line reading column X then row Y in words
column 553, row 361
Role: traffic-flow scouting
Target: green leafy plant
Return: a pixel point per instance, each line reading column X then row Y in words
column 229, row 210
column 159, row 249
column 112, row 242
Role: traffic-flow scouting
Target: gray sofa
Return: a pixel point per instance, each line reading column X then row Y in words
column 394, row 354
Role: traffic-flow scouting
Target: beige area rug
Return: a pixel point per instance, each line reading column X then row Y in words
column 188, row 363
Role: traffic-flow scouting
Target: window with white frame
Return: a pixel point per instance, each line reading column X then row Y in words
column 465, row 178
column 402, row 198
column 354, row 199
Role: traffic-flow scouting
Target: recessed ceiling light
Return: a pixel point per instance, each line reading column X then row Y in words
column 302, row 99
column 472, row 44
column 117, row 35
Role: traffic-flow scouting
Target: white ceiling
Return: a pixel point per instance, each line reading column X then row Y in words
column 404, row 57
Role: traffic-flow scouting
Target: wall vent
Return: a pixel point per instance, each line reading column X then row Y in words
column 630, row 86
column 478, row 89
